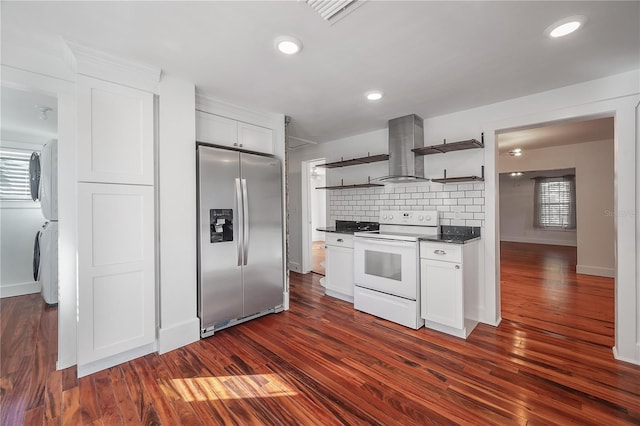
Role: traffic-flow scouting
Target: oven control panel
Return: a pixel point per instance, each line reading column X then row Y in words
column 409, row 217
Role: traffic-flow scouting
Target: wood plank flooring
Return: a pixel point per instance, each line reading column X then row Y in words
column 322, row 363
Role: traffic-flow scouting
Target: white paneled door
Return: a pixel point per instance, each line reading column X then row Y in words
column 116, row 269
column 115, row 134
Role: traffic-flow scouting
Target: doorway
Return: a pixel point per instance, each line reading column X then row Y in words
column 314, row 216
column 556, row 275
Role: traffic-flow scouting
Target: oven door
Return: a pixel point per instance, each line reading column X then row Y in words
column 389, row 266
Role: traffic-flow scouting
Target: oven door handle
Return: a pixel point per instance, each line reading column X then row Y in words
column 384, row 242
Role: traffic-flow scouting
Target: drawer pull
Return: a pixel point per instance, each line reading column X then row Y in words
column 457, row 266
column 340, row 240
column 441, row 252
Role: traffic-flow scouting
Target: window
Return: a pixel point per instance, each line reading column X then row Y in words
column 14, row 174
column 555, row 202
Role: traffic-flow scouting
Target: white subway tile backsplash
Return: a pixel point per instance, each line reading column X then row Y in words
column 458, row 204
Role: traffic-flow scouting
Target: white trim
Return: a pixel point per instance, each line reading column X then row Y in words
column 103, row 364
column 91, row 62
column 533, row 240
column 596, row 270
column 178, row 335
column 305, row 216
column 632, row 360
column 20, row 289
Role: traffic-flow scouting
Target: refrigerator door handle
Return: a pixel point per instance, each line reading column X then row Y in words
column 238, row 202
column 245, row 220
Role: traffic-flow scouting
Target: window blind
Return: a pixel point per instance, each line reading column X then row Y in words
column 555, row 202
column 14, row 174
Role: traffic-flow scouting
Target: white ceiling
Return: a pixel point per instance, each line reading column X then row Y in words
column 428, row 57
column 564, row 133
column 20, row 116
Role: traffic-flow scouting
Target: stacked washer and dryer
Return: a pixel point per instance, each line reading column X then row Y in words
column 43, row 171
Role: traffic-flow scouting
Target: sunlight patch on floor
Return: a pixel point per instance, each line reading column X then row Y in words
column 227, row 387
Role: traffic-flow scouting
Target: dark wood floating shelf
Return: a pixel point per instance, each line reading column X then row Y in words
column 448, row 147
column 355, row 161
column 445, row 179
column 368, row 184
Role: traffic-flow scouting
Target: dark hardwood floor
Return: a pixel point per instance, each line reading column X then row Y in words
column 322, row 363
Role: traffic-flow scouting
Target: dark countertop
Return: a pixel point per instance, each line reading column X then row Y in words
column 451, row 239
column 455, row 235
column 349, row 227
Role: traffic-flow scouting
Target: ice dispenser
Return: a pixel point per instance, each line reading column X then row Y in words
column 221, row 225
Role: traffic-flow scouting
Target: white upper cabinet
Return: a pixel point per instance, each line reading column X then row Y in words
column 115, row 133
column 217, row 130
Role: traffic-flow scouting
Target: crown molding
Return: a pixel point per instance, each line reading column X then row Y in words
column 91, row 62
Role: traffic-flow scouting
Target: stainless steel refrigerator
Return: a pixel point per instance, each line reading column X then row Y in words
column 240, row 248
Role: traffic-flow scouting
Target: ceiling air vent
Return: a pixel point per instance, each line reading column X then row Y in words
column 334, row 10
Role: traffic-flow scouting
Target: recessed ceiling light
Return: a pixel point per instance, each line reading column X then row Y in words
column 288, row 45
column 515, row 152
column 374, row 95
column 566, row 26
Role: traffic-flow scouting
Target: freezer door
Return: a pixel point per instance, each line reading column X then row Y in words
column 263, row 254
column 220, row 290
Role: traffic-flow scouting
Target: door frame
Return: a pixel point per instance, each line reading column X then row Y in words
column 64, row 92
column 626, row 159
column 305, row 215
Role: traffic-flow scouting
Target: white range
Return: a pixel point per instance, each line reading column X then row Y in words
column 386, row 266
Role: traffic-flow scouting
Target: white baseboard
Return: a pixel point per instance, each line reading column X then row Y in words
column 636, row 361
column 530, row 240
column 20, row 289
column 103, row 364
column 596, row 270
column 178, row 335
column 294, row 266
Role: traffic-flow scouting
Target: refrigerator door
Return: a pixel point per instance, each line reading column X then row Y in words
column 263, row 267
column 220, row 292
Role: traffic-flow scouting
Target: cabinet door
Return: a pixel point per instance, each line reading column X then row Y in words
column 115, row 133
column 255, row 138
column 442, row 298
column 211, row 128
column 116, row 290
column 339, row 270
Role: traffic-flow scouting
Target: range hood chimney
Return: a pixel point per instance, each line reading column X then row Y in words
column 405, row 133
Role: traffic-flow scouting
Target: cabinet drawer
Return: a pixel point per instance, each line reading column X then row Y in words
column 341, row 240
column 441, row 251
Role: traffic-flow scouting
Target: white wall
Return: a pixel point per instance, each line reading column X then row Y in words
column 19, row 223
column 516, row 211
column 595, row 225
column 176, row 168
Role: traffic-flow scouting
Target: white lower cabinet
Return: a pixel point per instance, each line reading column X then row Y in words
column 339, row 266
column 449, row 287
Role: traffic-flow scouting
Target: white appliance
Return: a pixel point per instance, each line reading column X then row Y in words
column 45, row 261
column 43, row 171
column 386, row 266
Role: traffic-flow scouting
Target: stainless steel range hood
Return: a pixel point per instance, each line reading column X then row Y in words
column 405, row 133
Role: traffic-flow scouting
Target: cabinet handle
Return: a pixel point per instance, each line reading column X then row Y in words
column 340, row 240
column 457, row 266
column 240, row 145
column 442, row 252
column 235, row 144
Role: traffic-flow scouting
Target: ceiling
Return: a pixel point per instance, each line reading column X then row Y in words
column 21, row 114
column 564, row 133
column 428, row 57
